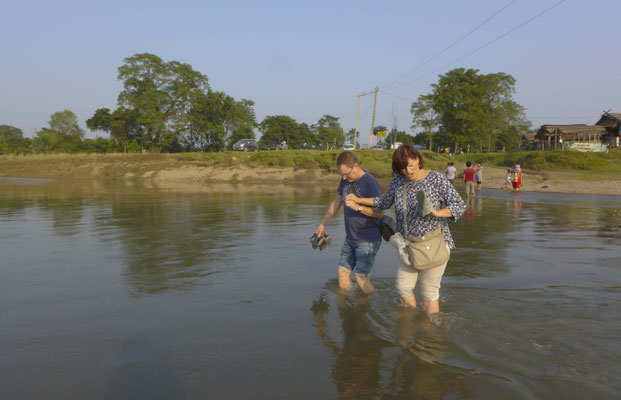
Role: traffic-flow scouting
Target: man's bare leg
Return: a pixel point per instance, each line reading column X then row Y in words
column 344, row 278
column 364, row 282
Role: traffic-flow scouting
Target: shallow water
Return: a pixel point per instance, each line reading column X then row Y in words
column 118, row 291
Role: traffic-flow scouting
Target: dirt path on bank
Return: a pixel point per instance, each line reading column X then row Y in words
column 552, row 181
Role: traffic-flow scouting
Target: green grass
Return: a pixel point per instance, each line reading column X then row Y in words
column 378, row 162
column 555, row 160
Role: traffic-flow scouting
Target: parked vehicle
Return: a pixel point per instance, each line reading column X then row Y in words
column 348, row 146
column 246, row 145
column 270, row 145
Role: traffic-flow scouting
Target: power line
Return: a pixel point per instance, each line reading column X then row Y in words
column 485, row 45
column 450, row 45
column 395, row 96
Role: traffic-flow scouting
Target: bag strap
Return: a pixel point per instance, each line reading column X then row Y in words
column 405, row 211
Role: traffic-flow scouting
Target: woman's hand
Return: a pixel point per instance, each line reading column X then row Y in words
column 352, row 197
column 351, row 203
column 443, row 213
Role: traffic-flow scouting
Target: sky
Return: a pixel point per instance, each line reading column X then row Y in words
column 305, row 59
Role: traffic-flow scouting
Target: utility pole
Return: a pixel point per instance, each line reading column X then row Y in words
column 373, row 122
column 356, row 131
column 357, row 113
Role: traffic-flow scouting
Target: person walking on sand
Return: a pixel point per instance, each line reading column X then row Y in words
column 469, row 174
column 410, row 179
column 363, row 238
column 478, row 176
column 451, row 172
column 516, row 177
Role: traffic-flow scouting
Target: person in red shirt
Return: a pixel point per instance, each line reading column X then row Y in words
column 469, row 173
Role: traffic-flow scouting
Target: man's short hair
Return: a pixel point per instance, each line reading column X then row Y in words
column 468, row 164
column 346, row 158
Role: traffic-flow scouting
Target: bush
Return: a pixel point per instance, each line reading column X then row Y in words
column 134, row 147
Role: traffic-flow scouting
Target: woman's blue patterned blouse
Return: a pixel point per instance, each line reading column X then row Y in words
column 442, row 195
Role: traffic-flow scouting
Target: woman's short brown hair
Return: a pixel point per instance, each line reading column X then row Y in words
column 401, row 155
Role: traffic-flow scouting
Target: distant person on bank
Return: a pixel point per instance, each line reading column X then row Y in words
column 516, row 177
column 363, row 238
column 478, row 176
column 469, row 174
column 446, row 204
column 451, row 172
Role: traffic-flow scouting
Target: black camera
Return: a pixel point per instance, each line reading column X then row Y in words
column 320, row 242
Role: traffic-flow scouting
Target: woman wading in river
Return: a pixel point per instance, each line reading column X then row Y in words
column 424, row 228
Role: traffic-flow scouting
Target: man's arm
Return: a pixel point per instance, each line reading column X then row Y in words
column 332, row 210
column 354, row 203
column 372, row 189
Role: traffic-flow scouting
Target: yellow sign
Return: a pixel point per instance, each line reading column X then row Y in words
column 381, row 134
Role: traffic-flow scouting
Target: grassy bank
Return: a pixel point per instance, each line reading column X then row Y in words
column 313, row 163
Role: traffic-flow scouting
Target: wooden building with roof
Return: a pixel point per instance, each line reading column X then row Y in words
column 612, row 123
column 577, row 136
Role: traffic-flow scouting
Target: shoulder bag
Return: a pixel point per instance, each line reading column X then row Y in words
column 427, row 251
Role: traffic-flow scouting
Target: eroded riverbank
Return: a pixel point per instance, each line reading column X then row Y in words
column 190, row 172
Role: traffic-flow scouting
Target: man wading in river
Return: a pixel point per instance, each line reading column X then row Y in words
column 363, row 237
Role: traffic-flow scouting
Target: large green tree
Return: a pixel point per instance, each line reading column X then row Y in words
column 215, row 120
column 329, row 132
column 122, row 125
column 425, row 117
column 278, row 128
column 12, row 140
column 64, row 134
column 469, row 108
column 10, row 131
column 240, row 121
column 161, row 94
column 66, row 123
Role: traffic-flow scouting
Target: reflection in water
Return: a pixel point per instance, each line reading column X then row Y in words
column 169, row 243
column 386, row 350
column 182, row 293
column 480, row 240
column 357, row 358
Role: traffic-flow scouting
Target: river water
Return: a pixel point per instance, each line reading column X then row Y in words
column 123, row 291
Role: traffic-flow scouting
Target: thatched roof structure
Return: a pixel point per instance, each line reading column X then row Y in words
column 609, row 119
column 552, row 134
column 571, row 130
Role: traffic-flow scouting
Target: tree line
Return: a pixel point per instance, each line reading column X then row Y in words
column 466, row 109
column 170, row 107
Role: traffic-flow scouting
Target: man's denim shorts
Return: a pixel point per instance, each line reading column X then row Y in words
column 359, row 256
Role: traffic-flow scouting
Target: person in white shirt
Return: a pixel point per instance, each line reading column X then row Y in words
column 451, row 171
